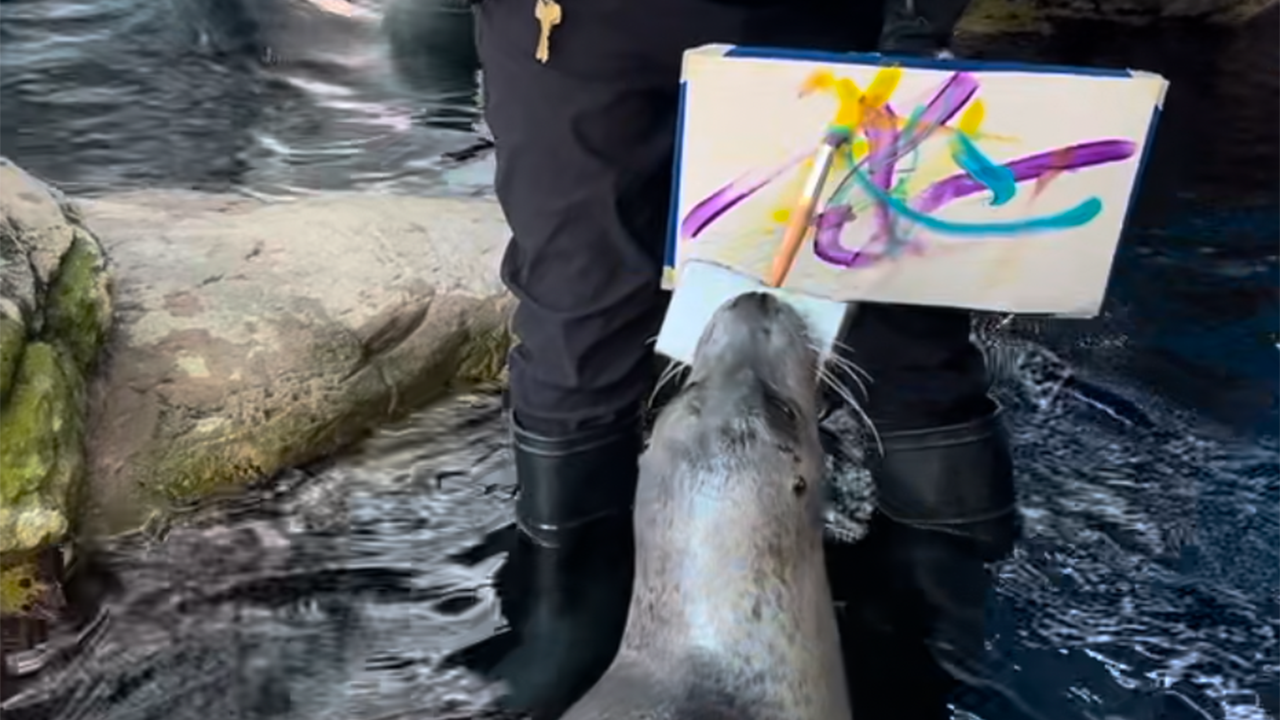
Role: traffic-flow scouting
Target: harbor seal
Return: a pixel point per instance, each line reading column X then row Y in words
column 731, row 613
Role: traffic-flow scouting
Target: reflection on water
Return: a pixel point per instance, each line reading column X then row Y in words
column 272, row 95
column 324, row 594
column 1148, row 585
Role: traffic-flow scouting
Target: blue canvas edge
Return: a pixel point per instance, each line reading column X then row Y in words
column 673, row 219
column 1134, row 194
column 917, row 62
column 1142, row 163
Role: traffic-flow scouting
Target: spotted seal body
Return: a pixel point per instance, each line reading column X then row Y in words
column 731, row 613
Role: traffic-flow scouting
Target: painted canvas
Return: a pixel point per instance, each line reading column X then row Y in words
column 966, row 184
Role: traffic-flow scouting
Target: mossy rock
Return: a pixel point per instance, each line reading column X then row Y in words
column 192, row 466
column 55, row 312
column 29, row 587
column 13, row 339
column 999, row 17
column 41, row 449
column 484, row 359
column 78, row 305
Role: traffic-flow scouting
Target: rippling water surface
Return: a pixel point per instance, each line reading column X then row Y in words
column 272, row 95
column 1148, row 586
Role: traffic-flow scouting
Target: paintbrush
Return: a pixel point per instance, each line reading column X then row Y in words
column 702, row 287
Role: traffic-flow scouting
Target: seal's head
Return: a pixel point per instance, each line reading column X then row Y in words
column 744, row 427
column 731, row 611
column 757, row 339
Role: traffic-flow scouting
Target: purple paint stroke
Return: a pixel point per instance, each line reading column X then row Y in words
column 941, row 108
column 1098, row 152
column 828, row 225
column 831, row 221
column 882, row 137
column 885, row 147
column 954, row 94
column 726, row 198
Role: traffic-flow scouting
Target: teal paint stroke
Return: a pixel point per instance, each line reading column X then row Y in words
column 1074, row 217
column 996, row 178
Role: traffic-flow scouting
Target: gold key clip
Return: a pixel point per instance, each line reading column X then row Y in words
column 549, row 14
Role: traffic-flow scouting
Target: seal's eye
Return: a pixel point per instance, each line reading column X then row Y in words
column 779, row 404
column 798, row 487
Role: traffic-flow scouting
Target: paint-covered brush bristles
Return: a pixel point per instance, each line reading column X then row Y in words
column 702, row 287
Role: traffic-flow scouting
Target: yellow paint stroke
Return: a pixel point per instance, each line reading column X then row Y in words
column 882, row 87
column 854, row 106
column 971, row 118
column 932, row 167
column 859, row 149
column 858, row 109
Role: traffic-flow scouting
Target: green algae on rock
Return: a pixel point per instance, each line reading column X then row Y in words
column 55, row 310
column 79, row 301
column 41, row 455
column 993, row 17
column 13, row 338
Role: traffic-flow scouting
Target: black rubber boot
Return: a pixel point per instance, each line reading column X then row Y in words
column 572, row 564
column 955, row 480
column 915, row 588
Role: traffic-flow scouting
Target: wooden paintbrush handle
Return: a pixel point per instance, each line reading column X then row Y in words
column 792, row 238
column 802, row 216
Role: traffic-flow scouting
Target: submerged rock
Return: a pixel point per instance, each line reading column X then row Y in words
column 55, row 311
column 255, row 336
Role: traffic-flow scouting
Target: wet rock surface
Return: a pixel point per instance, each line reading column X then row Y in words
column 255, row 336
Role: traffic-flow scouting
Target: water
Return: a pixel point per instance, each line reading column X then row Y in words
column 1149, row 583
column 271, row 95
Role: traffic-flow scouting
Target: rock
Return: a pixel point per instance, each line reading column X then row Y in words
column 255, row 336
column 55, row 311
column 30, row 589
column 1039, row 16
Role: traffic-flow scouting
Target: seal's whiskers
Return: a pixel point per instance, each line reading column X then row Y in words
column 831, row 381
column 857, row 374
column 672, row 369
column 849, row 364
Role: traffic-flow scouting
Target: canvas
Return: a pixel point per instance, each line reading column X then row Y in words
column 966, row 184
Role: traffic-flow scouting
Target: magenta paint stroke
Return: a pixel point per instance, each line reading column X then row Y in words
column 887, row 146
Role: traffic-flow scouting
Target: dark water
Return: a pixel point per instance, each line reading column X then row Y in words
column 1149, row 583
column 271, row 95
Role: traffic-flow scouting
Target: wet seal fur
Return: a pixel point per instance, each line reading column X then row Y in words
column 731, row 613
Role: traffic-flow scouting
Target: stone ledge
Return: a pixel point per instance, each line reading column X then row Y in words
column 253, row 336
